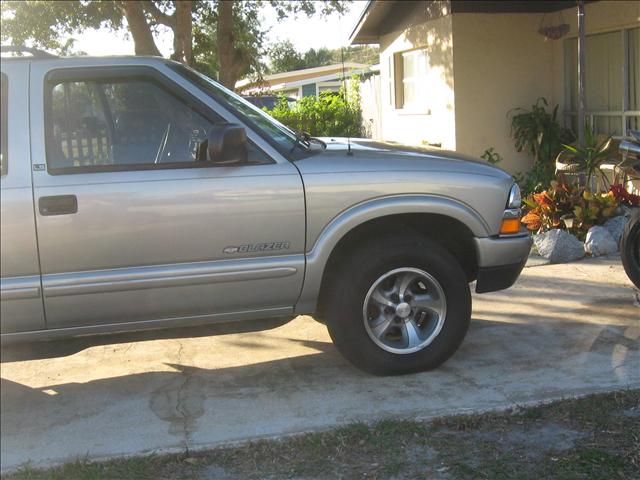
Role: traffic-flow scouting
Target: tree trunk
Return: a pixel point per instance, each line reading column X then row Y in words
column 182, row 33
column 227, row 56
column 139, row 28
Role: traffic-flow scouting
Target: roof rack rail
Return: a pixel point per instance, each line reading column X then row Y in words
column 37, row 53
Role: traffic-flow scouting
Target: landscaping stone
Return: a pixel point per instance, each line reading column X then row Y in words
column 600, row 242
column 559, row 246
column 616, row 226
column 628, row 211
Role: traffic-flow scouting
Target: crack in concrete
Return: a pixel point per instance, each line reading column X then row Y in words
column 180, row 401
column 189, row 402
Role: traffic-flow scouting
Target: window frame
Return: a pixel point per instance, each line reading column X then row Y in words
column 329, row 86
column 591, row 115
column 4, row 123
column 398, row 83
column 122, row 74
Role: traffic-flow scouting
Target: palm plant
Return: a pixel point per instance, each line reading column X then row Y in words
column 586, row 159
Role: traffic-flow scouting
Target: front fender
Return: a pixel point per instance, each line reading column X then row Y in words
column 343, row 223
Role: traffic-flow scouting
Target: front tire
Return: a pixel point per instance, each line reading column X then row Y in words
column 399, row 304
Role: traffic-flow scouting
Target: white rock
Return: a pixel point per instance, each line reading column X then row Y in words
column 600, row 242
column 616, row 226
column 559, row 246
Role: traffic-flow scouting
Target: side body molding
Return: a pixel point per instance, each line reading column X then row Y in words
column 340, row 225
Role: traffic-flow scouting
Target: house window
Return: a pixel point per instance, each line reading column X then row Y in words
column 612, row 81
column 329, row 87
column 411, row 68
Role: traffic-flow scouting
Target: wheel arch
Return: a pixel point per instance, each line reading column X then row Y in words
column 447, row 221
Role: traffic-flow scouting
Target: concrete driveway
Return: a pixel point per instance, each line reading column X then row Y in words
column 563, row 330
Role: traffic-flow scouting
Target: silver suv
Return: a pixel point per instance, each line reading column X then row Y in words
column 138, row 194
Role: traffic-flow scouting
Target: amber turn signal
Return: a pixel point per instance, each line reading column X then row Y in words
column 510, row 226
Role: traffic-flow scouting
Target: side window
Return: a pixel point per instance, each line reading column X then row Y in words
column 115, row 125
column 4, row 106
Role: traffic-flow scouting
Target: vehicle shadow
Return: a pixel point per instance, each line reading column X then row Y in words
column 20, row 352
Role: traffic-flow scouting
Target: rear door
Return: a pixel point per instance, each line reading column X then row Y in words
column 21, row 299
column 132, row 229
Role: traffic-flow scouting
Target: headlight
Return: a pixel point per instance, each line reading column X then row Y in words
column 515, row 199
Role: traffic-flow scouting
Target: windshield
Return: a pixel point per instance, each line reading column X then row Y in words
column 274, row 130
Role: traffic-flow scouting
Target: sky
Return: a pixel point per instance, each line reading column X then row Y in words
column 303, row 32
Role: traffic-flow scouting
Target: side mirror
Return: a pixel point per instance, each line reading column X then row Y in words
column 226, row 144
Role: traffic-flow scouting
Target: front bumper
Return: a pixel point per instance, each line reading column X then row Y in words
column 500, row 261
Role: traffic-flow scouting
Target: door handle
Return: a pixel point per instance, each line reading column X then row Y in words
column 58, row 205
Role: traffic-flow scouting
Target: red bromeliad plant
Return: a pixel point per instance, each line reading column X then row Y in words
column 624, row 197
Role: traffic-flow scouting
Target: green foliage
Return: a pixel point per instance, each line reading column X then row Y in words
column 538, row 132
column 588, row 158
column 49, row 24
column 327, row 115
column 283, row 56
column 536, row 179
column 491, row 156
column 249, row 36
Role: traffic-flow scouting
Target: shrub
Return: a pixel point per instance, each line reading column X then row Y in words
column 328, row 115
column 538, row 132
column 596, row 209
column 545, row 210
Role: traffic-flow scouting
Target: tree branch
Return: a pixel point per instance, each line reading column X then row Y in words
column 158, row 15
column 140, row 31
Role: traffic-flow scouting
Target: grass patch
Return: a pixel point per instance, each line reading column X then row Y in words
column 595, row 437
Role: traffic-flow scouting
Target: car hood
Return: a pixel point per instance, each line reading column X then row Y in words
column 363, row 155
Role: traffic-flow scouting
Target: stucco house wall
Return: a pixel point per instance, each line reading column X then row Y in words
column 499, row 62
column 481, row 66
column 434, row 122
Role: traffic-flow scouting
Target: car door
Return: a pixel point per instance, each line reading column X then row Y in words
column 21, row 293
column 133, row 228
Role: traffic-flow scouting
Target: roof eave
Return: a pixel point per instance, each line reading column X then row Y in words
column 356, row 38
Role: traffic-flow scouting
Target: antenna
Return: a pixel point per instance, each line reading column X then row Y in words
column 344, row 81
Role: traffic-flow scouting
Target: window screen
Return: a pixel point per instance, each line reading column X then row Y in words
column 607, row 57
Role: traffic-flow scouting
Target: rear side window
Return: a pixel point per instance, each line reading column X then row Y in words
column 124, row 124
column 4, row 107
